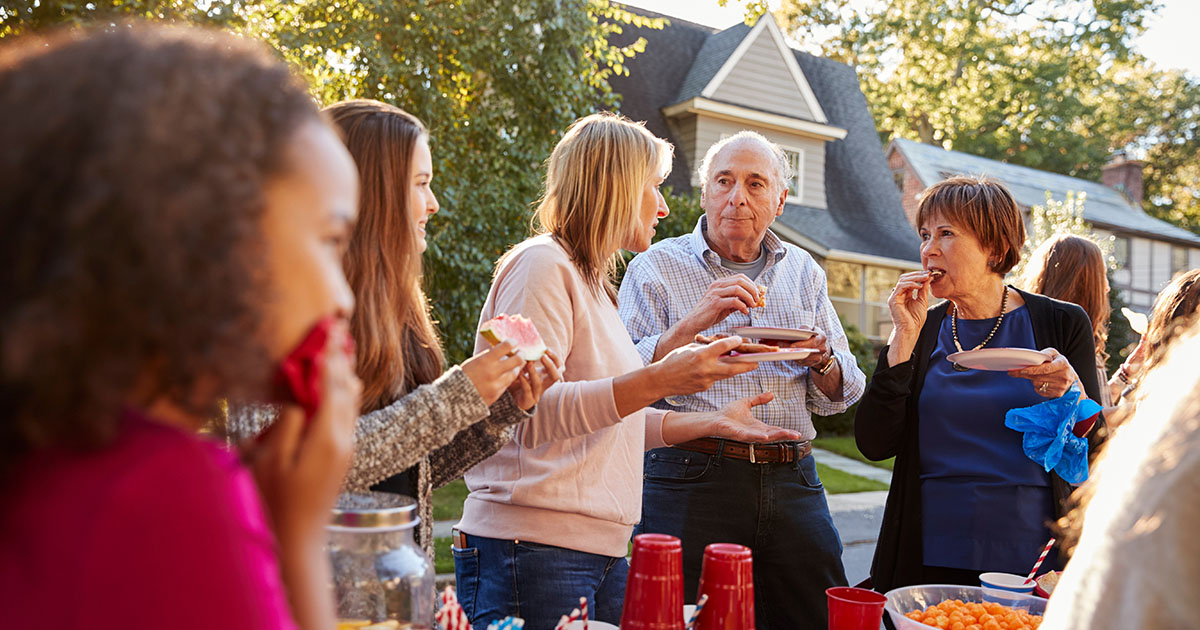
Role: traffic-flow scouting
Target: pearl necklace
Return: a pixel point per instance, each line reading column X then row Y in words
column 954, row 327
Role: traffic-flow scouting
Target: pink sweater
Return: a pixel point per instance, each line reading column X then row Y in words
column 572, row 475
column 162, row 529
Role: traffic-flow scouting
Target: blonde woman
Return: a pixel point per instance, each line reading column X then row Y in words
column 550, row 515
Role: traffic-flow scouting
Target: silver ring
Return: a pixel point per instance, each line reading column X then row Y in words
column 1042, row 387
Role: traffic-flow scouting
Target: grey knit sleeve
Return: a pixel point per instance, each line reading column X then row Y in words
column 396, row 437
column 478, row 442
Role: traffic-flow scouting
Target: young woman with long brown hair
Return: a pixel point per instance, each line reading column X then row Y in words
column 1071, row 268
column 421, row 428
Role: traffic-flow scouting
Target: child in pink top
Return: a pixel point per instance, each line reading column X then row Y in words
column 173, row 212
column 161, row 529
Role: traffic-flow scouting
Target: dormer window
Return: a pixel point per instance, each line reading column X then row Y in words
column 795, row 185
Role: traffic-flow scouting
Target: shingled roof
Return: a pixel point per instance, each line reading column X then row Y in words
column 864, row 214
column 1104, row 206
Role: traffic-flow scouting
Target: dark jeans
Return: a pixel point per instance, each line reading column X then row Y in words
column 539, row 583
column 777, row 510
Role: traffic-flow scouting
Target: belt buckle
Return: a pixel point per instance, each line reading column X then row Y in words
column 752, row 460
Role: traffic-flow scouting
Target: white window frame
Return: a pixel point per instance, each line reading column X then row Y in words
column 796, row 192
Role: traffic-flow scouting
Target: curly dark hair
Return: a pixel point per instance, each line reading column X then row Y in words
column 132, row 176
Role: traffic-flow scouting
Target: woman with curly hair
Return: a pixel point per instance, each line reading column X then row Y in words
column 173, row 215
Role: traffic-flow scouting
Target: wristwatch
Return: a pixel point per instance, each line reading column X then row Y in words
column 824, row 368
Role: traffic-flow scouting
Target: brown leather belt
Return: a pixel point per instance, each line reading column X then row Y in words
column 773, row 453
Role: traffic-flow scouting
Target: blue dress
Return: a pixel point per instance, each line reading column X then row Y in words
column 984, row 504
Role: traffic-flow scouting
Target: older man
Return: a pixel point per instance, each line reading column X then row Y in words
column 767, row 497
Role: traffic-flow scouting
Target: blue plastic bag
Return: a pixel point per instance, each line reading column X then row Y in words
column 1048, row 439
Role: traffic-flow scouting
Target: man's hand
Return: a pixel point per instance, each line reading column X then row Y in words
column 817, row 342
column 722, row 298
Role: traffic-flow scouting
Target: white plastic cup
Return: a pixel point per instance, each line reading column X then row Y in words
column 1005, row 585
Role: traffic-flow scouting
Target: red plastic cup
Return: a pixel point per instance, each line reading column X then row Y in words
column 654, row 591
column 853, row 608
column 727, row 577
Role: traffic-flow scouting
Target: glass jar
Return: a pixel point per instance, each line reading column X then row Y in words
column 379, row 572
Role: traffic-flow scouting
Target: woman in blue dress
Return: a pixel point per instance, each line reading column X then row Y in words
column 964, row 497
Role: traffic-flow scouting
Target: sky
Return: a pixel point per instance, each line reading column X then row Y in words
column 1170, row 40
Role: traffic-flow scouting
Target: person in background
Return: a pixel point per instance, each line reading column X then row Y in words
column 421, row 428
column 549, row 516
column 964, row 497
column 1137, row 560
column 173, row 216
column 1174, row 304
column 768, row 498
column 1071, row 268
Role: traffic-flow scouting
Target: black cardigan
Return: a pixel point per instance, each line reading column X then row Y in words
column 885, row 425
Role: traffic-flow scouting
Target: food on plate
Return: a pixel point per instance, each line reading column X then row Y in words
column 363, row 624
column 1046, row 583
column 517, row 330
column 746, row 347
column 955, row 614
column 762, row 296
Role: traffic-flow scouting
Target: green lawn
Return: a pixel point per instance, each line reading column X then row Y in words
column 443, row 560
column 448, row 501
column 844, row 446
column 838, row 482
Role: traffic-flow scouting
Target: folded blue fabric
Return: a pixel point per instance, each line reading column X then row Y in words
column 1048, row 439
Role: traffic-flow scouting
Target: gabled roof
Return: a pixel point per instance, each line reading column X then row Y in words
column 1104, row 206
column 724, row 53
column 864, row 214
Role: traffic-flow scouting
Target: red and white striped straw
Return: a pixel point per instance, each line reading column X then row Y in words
column 583, row 609
column 1042, row 558
column 566, row 621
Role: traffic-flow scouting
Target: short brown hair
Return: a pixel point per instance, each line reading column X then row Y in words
column 982, row 206
column 132, row 187
column 397, row 346
column 1071, row 268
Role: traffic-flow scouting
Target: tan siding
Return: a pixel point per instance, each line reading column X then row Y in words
column 761, row 80
column 1194, row 258
column 710, row 130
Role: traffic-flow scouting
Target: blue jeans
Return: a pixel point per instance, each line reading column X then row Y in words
column 539, row 583
column 777, row 510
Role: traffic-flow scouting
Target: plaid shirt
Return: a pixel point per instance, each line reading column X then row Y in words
column 667, row 281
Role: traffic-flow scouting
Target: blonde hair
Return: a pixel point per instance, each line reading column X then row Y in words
column 594, row 182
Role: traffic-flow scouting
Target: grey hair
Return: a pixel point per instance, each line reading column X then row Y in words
column 783, row 167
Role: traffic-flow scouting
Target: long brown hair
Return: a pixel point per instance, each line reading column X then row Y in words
column 1071, row 268
column 398, row 347
column 132, row 190
column 1173, row 310
column 594, row 181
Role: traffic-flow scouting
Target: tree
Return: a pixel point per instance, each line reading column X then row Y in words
column 1050, row 84
column 496, row 82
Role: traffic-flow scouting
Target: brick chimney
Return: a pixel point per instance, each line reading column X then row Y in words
column 1124, row 175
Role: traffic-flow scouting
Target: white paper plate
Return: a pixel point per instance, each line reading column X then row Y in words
column 998, row 359
column 766, row 332
column 592, row 625
column 794, row 354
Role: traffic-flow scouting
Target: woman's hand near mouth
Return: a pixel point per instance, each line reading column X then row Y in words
column 907, row 304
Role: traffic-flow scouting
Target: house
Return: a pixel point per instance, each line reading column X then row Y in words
column 694, row 85
column 1148, row 251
